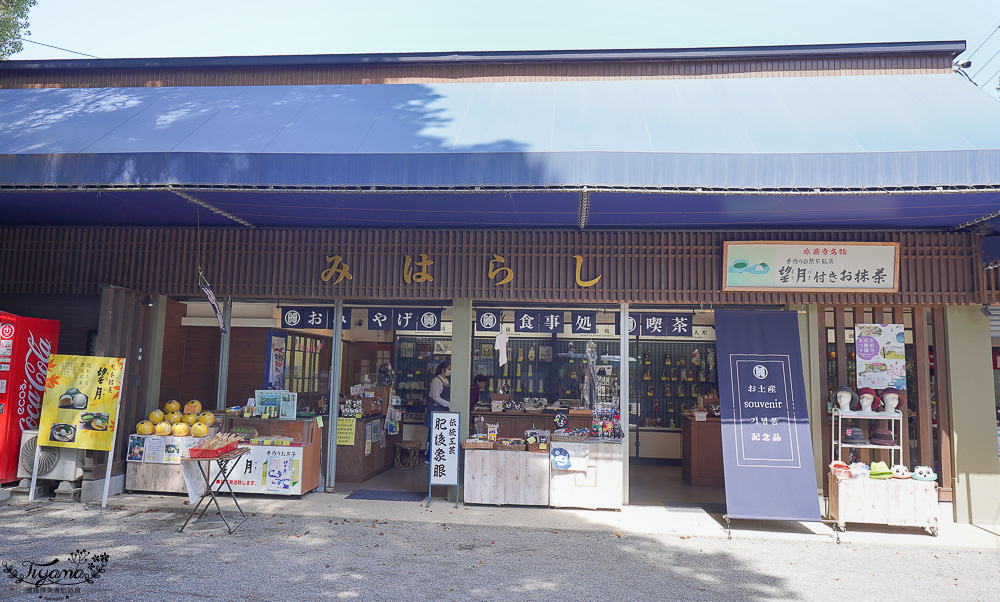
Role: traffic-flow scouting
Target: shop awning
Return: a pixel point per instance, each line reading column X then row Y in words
column 857, row 151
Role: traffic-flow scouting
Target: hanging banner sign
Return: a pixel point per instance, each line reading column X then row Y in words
column 880, row 350
column 525, row 321
column 584, row 322
column 276, row 343
column 80, row 406
column 550, row 321
column 207, row 290
column 380, row 318
column 306, row 317
column 766, row 443
column 444, row 448
column 488, row 320
column 428, row 320
column 811, row 266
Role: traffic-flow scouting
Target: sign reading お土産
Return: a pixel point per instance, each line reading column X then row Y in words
column 811, row 266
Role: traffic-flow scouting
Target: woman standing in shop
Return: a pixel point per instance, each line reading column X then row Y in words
column 440, row 397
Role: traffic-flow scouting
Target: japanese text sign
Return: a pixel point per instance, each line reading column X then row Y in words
column 345, row 430
column 880, row 350
column 766, row 442
column 444, row 448
column 80, row 406
column 811, row 266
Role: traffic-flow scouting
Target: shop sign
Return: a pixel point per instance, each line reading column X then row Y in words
column 345, row 430
column 444, row 448
column 266, row 469
column 488, row 320
column 811, row 266
column 660, row 324
column 305, row 317
column 584, row 322
column 767, row 446
column 380, row 318
column 81, row 399
column 550, row 321
column 525, row 321
column 880, row 351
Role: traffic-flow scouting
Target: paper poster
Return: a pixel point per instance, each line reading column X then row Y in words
column 154, row 449
column 345, row 431
column 444, row 448
column 81, row 402
column 275, row 360
column 267, row 402
column 278, row 475
column 136, row 448
column 289, row 403
column 570, row 456
column 880, row 350
column 253, row 472
column 368, row 438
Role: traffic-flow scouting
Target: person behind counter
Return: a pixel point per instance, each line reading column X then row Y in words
column 478, row 391
column 440, row 398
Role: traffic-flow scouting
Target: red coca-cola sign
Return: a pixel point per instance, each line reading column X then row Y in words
column 32, row 389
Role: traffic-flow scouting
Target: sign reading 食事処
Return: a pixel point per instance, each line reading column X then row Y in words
column 811, row 266
column 444, row 448
column 80, row 405
column 880, row 351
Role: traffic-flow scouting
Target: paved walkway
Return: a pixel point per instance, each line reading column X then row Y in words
column 645, row 520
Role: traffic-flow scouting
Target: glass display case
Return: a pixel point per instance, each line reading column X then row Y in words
column 416, row 358
column 669, row 377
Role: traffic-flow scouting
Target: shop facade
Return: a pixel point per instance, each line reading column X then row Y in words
column 578, row 230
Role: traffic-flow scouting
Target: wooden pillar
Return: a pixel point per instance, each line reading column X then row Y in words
column 943, row 405
column 925, row 441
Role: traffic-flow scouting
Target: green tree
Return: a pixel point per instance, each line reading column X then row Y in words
column 13, row 22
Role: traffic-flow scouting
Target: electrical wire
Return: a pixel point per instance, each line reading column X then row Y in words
column 58, row 48
column 986, row 63
column 993, row 30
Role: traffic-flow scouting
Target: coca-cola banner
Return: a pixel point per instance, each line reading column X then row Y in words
column 80, row 406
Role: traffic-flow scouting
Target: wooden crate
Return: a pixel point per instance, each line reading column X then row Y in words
column 897, row 502
column 514, row 477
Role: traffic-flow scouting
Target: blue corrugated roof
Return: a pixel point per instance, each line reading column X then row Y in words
column 853, row 132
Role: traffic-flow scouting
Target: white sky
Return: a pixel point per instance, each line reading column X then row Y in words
column 119, row 28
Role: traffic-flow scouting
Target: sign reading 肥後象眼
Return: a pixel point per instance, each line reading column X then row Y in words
column 444, row 448
column 766, row 443
column 880, row 350
column 811, row 266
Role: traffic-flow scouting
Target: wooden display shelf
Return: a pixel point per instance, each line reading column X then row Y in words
column 896, row 502
column 506, row 477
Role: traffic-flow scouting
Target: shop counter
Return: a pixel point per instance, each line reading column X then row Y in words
column 291, row 469
column 506, row 477
column 701, row 451
column 599, row 486
column 372, row 452
column 896, row 502
column 154, row 463
column 513, row 424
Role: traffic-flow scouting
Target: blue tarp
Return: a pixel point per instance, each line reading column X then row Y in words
column 752, row 133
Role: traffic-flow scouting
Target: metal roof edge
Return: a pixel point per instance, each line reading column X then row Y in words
column 954, row 47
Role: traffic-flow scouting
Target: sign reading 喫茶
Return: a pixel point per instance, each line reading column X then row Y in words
column 811, row 266
column 444, row 448
column 880, row 350
column 81, row 402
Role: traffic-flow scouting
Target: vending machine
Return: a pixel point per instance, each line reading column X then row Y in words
column 25, row 347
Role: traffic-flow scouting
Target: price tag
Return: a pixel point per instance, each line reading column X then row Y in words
column 319, row 421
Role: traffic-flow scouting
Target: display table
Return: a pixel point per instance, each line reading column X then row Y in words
column 701, row 452
column 353, row 465
column 506, row 477
column 223, row 468
column 277, row 469
column 897, row 502
column 154, row 463
column 513, row 424
column 599, row 487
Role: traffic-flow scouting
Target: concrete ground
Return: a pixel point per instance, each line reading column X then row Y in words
column 324, row 546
